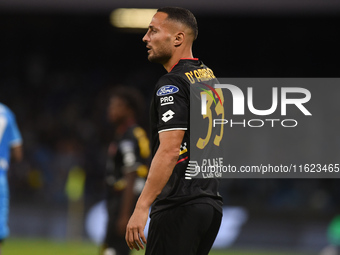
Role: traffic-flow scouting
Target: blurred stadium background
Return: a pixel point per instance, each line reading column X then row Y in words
column 59, row 59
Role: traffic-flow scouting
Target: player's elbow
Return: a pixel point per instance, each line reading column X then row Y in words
column 170, row 153
column 173, row 156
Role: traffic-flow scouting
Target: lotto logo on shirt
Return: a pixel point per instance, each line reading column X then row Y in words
column 168, row 116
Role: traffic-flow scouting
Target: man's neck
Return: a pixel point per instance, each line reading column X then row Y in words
column 175, row 59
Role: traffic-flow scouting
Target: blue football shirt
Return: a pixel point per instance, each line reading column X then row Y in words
column 9, row 135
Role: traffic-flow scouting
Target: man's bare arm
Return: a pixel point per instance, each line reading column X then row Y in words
column 128, row 199
column 17, row 153
column 161, row 169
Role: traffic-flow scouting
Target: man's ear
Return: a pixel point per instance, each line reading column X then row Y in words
column 179, row 39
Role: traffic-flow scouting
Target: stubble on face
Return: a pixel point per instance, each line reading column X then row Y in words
column 160, row 54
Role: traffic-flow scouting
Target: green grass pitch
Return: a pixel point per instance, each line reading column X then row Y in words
column 15, row 246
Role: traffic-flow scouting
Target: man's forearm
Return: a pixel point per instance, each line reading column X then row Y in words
column 17, row 153
column 128, row 194
column 160, row 171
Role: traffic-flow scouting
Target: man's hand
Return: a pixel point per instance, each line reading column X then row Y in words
column 135, row 229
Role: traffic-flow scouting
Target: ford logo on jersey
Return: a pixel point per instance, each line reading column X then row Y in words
column 167, row 89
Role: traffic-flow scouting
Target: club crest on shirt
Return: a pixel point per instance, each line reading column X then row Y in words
column 167, row 90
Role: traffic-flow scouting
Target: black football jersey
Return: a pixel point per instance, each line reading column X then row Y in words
column 170, row 110
column 127, row 153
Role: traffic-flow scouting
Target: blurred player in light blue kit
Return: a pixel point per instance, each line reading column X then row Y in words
column 10, row 147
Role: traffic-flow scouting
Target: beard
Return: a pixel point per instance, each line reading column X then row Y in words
column 162, row 56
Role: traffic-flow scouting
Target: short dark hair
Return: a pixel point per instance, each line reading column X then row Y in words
column 183, row 16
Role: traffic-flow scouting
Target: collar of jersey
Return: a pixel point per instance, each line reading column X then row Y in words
column 182, row 59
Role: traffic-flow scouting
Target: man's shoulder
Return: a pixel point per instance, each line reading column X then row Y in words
column 192, row 71
column 5, row 111
column 171, row 83
column 134, row 131
column 170, row 78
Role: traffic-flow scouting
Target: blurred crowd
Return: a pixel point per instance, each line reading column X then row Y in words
column 63, row 123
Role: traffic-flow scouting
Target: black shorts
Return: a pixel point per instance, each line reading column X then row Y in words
column 183, row 230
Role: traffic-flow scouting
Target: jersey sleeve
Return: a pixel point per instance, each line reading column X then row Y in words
column 172, row 103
